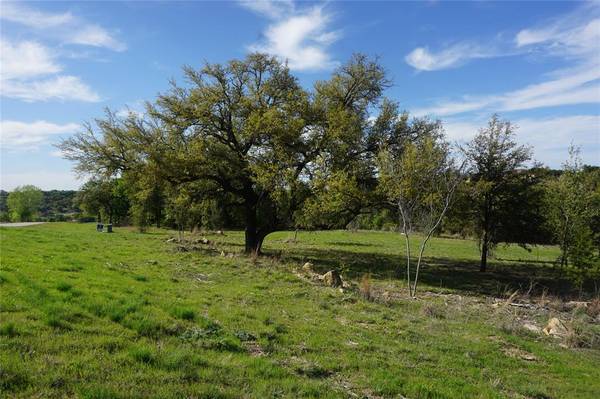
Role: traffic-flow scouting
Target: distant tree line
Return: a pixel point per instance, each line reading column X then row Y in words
column 242, row 144
column 29, row 203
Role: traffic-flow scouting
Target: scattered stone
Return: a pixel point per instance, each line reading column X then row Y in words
column 220, row 232
column 576, row 304
column 332, row 278
column 308, row 268
column 519, row 353
column 532, row 327
column 555, row 327
column 254, row 349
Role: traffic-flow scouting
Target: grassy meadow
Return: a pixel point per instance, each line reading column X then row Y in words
column 130, row 315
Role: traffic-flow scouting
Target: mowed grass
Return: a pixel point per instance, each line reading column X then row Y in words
column 128, row 315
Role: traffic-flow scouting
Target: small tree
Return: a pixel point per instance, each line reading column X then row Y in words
column 420, row 181
column 105, row 199
column 24, row 203
column 572, row 206
column 495, row 159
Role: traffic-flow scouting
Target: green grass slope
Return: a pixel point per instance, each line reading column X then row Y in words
column 128, row 315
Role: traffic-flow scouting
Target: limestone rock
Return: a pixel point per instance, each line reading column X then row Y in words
column 308, row 268
column 555, row 327
column 532, row 327
column 332, row 278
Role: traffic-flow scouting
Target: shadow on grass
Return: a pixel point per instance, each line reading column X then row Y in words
column 350, row 244
column 455, row 274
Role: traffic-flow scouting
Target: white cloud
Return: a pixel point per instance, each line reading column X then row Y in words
column 576, row 35
column 43, row 179
column 94, row 35
column 580, row 85
column 16, row 12
column 25, row 59
column 23, row 66
column 269, row 8
column 136, row 108
column 63, row 88
column 572, row 35
column 423, row 59
column 28, row 136
column 300, row 37
column 65, row 26
column 550, row 137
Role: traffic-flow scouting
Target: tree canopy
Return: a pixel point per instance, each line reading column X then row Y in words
column 24, row 203
column 248, row 133
column 495, row 159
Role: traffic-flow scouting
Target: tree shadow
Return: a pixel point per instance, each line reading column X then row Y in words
column 461, row 275
column 350, row 244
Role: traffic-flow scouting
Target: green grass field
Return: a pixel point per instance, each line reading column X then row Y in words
column 128, row 315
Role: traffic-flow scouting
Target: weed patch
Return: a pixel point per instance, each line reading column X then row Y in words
column 184, row 313
column 142, row 354
column 9, row 330
column 12, row 378
column 64, row 287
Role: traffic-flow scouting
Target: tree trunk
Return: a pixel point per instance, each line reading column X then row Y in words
column 486, row 239
column 484, row 253
column 254, row 236
column 254, row 240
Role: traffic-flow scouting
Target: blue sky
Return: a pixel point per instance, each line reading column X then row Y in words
column 535, row 63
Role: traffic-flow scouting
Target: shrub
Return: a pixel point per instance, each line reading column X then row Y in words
column 365, row 287
column 12, row 378
column 9, row 330
column 142, row 354
column 593, row 309
column 184, row 313
column 64, row 287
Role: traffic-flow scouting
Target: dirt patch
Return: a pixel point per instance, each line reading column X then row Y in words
column 254, row 349
column 517, row 353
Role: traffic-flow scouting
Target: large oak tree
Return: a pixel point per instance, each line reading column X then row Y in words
column 245, row 131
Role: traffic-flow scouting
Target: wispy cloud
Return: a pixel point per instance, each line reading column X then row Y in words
column 136, row 108
column 300, row 36
column 548, row 136
column 574, row 35
column 95, row 35
column 421, row 58
column 270, row 8
column 29, row 72
column 65, row 27
column 26, row 59
column 29, row 136
column 63, row 88
column 579, row 85
column 32, row 18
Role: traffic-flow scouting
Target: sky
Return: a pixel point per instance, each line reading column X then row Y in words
column 536, row 64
